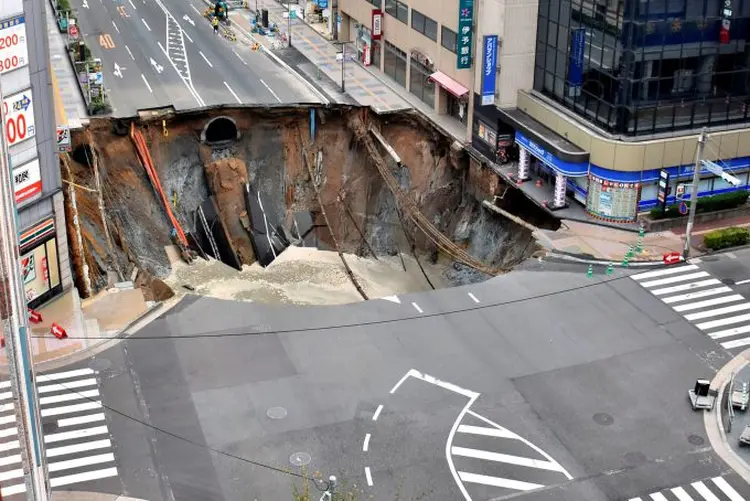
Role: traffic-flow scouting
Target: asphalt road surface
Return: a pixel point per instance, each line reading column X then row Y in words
column 538, row 385
column 158, row 53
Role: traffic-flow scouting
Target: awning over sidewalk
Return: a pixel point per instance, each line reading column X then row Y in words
column 449, row 84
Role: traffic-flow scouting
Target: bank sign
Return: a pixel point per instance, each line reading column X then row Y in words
column 575, row 69
column 489, row 69
column 465, row 26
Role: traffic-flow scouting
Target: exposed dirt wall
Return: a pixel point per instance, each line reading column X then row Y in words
column 269, row 155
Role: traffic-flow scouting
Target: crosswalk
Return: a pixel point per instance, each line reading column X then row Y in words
column 75, row 432
column 492, row 461
column 703, row 300
column 716, row 489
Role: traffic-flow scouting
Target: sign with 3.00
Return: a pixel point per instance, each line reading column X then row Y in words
column 14, row 53
column 18, row 110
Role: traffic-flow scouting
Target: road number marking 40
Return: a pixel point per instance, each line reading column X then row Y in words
column 105, row 40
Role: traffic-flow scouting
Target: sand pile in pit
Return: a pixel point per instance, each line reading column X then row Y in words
column 301, row 275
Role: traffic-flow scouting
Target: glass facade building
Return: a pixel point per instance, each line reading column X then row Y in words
column 643, row 67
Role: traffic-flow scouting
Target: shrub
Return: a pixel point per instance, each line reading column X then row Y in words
column 726, row 237
column 724, row 201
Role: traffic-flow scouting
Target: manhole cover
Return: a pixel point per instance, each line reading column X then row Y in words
column 100, row 364
column 276, row 413
column 603, row 419
column 727, row 281
column 635, row 458
column 696, row 440
column 300, row 459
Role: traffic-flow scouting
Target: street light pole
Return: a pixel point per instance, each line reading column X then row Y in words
column 289, row 21
column 694, row 192
column 14, row 315
column 343, row 60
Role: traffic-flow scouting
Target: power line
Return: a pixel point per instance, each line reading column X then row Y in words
column 259, row 332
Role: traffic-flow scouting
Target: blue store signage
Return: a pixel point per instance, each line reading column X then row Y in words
column 577, row 51
column 465, row 27
column 489, row 69
column 561, row 166
column 323, row 4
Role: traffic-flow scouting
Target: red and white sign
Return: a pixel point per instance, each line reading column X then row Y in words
column 377, row 24
column 73, row 30
column 27, row 181
column 367, row 55
column 671, row 257
column 18, row 111
column 14, row 53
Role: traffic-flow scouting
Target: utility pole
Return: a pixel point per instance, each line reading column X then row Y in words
column 343, row 60
column 474, row 62
column 694, row 192
column 14, row 315
column 289, row 21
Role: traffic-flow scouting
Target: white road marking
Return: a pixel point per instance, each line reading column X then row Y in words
column 661, row 273
column 116, row 28
column 416, row 307
column 130, row 53
column 8, row 419
column 366, row 445
column 13, row 489
column 505, row 458
column 132, row 4
column 658, row 496
column 147, row 85
column 9, row 432
column 10, row 460
column 673, row 280
column 9, row 446
column 146, row 24
column 681, row 494
column 83, row 477
column 73, row 449
column 392, row 299
column 8, row 475
column 718, row 311
column 437, row 382
column 709, row 302
column 735, row 331
column 47, row 388
column 68, row 435
column 70, row 409
column 84, row 461
column 487, row 432
column 703, row 491
column 270, row 90
column 731, row 255
column 67, row 397
column 722, row 322
column 91, row 418
column 377, row 412
column 45, row 378
column 737, row 343
column 240, row 58
column 196, row 10
column 696, row 295
column 742, row 282
column 473, row 297
column 205, row 59
column 6, row 395
column 685, row 287
column 368, row 475
column 727, row 489
column 188, row 36
column 4, row 384
column 505, row 483
column 232, row 92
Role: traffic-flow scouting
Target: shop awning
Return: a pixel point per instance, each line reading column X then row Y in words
column 449, row 84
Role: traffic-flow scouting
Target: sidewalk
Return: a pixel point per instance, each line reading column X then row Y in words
column 89, row 496
column 70, row 109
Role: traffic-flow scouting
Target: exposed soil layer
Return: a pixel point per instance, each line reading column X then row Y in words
column 265, row 148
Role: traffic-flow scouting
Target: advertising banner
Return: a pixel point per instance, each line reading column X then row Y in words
column 489, row 69
column 63, row 139
column 14, row 53
column 465, row 33
column 575, row 69
column 27, row 181
column 18, row 110
column 377, row 24
column 10, row 7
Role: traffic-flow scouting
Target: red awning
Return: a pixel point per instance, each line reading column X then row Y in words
column 449, row 84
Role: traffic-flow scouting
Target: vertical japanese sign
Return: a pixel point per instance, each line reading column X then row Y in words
column 465, row 28
column 663, row 191
column 377, row 24
column 726, row 22
column 575, row 69
column 489, row 69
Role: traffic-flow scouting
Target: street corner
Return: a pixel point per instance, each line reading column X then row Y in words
column 427, row 431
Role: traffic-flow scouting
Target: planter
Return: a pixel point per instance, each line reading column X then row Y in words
column 706, row 217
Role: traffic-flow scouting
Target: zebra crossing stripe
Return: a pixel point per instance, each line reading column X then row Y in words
column 685, row 287
column 667, row 271
column 505, row 458
column 505, row 483
column 681, row 494
column 727, row 489
column 658, row 496
column 717, row 312
column 696, row 295
column 674, row 280
column 738, row 343
column 736, row 331
column 701, row 488
column 722, row 322
column 709, row 302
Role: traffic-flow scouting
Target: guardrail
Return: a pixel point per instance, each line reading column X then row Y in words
column 726, row 402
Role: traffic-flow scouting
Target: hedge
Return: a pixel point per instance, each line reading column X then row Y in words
column 726, row 237
column 724, row 201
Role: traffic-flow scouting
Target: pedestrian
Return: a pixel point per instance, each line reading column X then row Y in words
column 215, row 23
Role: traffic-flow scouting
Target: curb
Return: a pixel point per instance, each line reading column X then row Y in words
column 713, row 421
column 587, row 259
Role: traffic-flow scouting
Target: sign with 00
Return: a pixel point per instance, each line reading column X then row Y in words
column 18, row 110
column 14, row 53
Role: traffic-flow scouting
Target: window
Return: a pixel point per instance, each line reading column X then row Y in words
column 424, row 25
column 448, row 39
column 420, row 84
column 397, row 9
column 395, row 63
column 376, row 3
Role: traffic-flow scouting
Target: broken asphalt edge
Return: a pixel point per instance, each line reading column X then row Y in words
column 713, row 420
column 90, row 496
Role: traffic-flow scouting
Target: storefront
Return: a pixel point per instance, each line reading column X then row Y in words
column 490, row 135
column 40, row 264
column 419, row 77
column 395, row 63
column 452, row 96
column 363, row 42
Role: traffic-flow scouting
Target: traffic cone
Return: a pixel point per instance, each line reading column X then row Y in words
column 625, row 261
column 590, row 272
column 610, row 269
column 639, row 247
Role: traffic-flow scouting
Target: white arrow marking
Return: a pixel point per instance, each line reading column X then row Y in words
column 159, row 68
column 393, row 299
column 118, row 70
column 187, row 18
column 85, row 4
